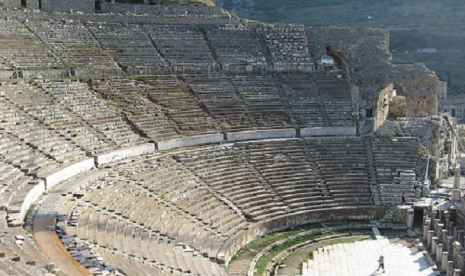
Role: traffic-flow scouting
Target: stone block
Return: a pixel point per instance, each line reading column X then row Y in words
column 261, row 134
column 68, row 172
column 444, row 261
column 439, row 254
column 450, row 268
column 124, row 154
column 190, row 141
column 328, row 131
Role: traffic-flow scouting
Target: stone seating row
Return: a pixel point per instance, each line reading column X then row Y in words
column 336, row 97
column 304, row 100
column 20, row 49
column 74, row 44
column 135, row 224
column 395, row 164
column 181, row 45
column 343, row 164
column 285, row 166
column 14, row 260
column 26, row 129
column 315, row 173
column 24, row 157
column 288, row 47
column 182, row 107
column 227, row 175
column 87, row 106
column 128, row 97
column 159, row 107
column 239, row 46
column 263, row 100
column 180, row 187
column 12, row 181
column 132, row 45
column 223, row 103
column 55, row 118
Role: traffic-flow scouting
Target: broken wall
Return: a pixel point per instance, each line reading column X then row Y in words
column 366, row 57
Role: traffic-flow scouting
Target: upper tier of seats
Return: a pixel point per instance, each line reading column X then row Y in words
column 95, row 47
column 22, row 50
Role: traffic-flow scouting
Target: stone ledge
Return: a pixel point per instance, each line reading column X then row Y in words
column 67, row 172
column 328, row 131
column 260, row 134
column 190, row 141
column 123, row 154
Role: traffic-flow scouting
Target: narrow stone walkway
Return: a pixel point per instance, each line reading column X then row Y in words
column 361, row 259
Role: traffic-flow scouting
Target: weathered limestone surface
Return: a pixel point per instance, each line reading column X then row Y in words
column 124, row 153
column 328, row 131
column 68, row 172
column 189, row 141
column 260, row 134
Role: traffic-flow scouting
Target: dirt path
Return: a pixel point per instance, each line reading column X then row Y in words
column 51, row 246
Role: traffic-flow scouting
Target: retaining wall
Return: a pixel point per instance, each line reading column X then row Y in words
column 124, row 153
column 235, row 243
column 328, row 131
column 68, row 172
column 31, row 197
column 190, row 141
column 261, row 134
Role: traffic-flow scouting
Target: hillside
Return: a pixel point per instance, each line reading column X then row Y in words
column 413, row 24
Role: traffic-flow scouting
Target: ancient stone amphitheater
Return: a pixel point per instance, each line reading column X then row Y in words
column 159, row 139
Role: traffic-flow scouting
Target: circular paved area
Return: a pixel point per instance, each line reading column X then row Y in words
column 361, row 259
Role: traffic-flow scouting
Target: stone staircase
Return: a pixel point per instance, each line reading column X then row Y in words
column 372, row 174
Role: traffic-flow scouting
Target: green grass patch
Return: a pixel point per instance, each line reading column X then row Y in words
column 275, row 250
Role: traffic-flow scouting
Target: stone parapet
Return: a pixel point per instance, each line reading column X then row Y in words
column 190, row 141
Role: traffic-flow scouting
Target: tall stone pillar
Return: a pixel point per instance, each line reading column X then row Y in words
column 436, row 222
column 444, row 238
column 427, row 223
column 450, row 247
column 445, row 259
column 430, row 239
column 446, row 219
column 425, row 234
column 439, row 176
column 456, row 192
column 439, row 254
column 450, row 268
column 410, row 218
column 439, row 231
column 434, row 246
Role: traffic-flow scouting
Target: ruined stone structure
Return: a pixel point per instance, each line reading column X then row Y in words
column 97, row 98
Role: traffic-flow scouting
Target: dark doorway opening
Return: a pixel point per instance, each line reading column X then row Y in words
column 417, row 218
